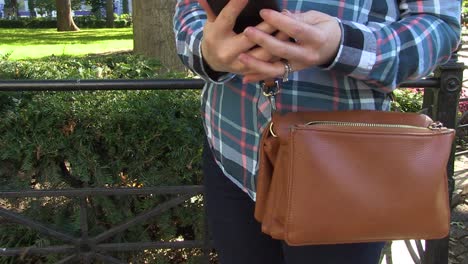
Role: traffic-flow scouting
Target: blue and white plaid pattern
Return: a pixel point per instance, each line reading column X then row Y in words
column 381, row 47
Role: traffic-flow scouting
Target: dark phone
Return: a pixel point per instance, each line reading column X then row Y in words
column 250, row 15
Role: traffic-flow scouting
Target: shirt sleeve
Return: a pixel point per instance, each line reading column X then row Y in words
column 386, row 54
column 188, row 23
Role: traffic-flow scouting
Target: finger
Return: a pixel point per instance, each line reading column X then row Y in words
column 211, row 16
column 277, row 47
column 228, row 15
column 267, row 28
column 241, row 69
column 297, row 25
column 263, row 54
column 282, row 36
column 310, row 17
column 254, row 77
column 270, row 70
column 241, row 43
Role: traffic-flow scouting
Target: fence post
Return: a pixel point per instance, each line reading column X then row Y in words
column 444, row 109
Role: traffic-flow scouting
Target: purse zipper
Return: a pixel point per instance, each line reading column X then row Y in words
column 434, row 126
column 437, row 126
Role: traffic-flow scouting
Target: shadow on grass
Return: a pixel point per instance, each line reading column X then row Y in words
column 26, row 37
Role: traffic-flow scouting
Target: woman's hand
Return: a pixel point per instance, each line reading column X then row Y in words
column 317, row 36
column 221, row 47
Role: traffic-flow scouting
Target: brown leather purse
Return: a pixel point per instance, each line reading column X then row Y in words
column 353, row 176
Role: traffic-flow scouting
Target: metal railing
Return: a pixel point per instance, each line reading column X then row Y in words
column 85, row 248
column 440, row 100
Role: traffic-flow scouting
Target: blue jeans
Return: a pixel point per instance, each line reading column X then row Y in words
column 238, row 238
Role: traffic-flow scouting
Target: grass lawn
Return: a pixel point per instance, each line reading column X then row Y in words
column 37, row 43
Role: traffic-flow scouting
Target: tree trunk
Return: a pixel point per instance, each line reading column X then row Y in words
column 64, row 16
column 14, row 5
column 31, row 6
column 152, row 31
column 110, row 13
column 125, row 9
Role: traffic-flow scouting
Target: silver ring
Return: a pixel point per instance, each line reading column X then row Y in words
column 287, row 70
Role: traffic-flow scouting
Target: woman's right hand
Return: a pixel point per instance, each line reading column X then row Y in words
column 221, row 46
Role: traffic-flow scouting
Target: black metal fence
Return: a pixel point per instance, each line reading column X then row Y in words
column 85, row 248
column 440, row 101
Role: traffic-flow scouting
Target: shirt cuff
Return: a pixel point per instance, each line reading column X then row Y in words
column 357, row 52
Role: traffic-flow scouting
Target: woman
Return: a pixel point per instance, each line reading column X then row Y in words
column 346, row 54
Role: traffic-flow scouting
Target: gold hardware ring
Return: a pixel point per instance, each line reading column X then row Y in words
column 271, row 130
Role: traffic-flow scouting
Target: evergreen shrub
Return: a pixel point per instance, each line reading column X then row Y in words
column 17, row 23
column 99, row 139
column 28, row 23
column 81, row 22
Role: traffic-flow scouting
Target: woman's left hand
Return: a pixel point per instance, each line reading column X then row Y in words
column 317, row 40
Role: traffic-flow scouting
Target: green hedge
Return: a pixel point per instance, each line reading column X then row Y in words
column 99, row 139
column 408, row 99
column 82, row 22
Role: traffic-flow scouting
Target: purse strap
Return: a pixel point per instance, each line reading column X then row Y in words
column 272, row 87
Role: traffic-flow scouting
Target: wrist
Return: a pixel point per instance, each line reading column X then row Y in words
column 337, row 42
column 212, row 73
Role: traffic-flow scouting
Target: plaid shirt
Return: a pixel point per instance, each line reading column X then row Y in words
column 384, row 42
